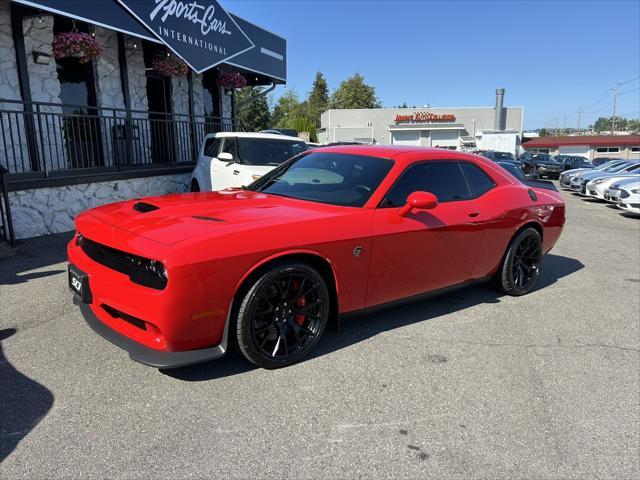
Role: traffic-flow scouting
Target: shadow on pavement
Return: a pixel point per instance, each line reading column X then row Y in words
column 360, row 327
column 32, row 254
column 23, row 402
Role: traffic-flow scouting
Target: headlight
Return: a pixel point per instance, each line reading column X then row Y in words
column 635, row 190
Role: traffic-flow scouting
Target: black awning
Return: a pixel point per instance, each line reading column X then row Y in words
column 105, row 13
column 253, row 48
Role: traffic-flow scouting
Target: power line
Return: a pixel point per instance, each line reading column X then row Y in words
column 629, row 81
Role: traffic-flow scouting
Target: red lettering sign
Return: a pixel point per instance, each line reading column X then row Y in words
column 425, row 117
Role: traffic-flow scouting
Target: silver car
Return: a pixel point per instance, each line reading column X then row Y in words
column 565, row 177
column 612, row 194
column 579, row 181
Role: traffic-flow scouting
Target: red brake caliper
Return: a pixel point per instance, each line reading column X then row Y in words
column 300, row 303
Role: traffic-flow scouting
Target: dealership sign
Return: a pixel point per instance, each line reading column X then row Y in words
column 425, row 117
column 200, row 32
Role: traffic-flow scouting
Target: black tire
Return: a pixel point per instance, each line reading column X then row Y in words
column 282, row 315
column 520, row 267
column 195, row 186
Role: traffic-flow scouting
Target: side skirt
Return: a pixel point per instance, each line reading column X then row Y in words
column 416, row 298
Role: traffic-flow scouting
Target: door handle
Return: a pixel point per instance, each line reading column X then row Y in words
column 236, row 172
column 475, row 213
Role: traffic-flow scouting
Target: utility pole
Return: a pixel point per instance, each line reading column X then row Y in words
column 564, row 124
column 579, row 112
column 613, row 115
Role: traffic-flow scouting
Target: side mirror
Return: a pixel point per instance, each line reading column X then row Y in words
column 226, row 157
column 419, row 201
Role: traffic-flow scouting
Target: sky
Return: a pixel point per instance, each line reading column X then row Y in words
column 552, row 57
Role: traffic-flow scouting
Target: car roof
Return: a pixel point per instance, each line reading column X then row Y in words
column 271, row 136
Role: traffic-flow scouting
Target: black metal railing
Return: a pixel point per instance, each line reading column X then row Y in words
column 6, row 222
column 38, row 137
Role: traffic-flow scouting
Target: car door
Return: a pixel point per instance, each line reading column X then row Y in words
column 425, row 250
column 222, row 172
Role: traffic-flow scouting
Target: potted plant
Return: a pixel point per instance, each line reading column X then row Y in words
column 232, row 80
column 80, row 45
column 169, row 66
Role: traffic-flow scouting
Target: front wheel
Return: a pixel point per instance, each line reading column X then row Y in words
column 282, row 315
column 520, row 267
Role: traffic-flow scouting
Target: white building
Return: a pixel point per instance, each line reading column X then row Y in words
column 487, row 128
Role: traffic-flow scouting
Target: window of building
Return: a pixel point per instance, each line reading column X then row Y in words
column 608, row 149
column 635, row 149
column 81, row 125
column 444, row 179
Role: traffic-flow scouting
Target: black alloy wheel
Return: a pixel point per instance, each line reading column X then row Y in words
column 282, row 315
column 520, row 267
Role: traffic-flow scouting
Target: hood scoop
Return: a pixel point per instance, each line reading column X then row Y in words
column 144, row 207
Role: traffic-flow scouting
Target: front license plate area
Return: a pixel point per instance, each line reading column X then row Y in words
column 79, row 284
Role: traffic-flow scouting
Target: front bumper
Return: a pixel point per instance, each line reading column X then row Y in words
column 612, row 195
column 146, row 355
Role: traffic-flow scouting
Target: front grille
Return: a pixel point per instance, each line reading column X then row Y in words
column 140, row 270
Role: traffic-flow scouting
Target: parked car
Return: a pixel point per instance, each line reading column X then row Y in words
column 541, row 163
column 501, row 157
column 600, row 160
column 565, row 177
column 597, row 186
column 517, row 172
column 612, row 194
column 630, row 197
column 569, row 162
column 335, row 230
column 579, row 181
column 235, row 159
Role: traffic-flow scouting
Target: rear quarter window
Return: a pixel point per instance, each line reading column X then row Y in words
column 479, row 182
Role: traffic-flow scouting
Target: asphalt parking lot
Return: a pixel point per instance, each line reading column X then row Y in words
column 467, row 385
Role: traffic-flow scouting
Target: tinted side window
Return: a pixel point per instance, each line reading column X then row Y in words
column 229, row 146
column 444, row 179
column 479, row 182
column 211, row 147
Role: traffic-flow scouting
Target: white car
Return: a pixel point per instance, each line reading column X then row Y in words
column 598, row 186
column 236, row 159
column 579, row 181
column 612, row 194
column 630, row 197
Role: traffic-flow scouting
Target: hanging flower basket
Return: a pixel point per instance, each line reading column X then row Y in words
column 78, row 45
column 169, row 66
column 232, row 80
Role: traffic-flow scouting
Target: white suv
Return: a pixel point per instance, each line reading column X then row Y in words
column 236, row 159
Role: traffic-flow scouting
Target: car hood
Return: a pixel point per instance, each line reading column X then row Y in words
column 174, row 218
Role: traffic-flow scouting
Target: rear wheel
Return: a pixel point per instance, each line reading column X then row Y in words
column 520, row 267
column 282, row 315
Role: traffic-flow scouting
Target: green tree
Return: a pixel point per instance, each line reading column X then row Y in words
column 354, row 93
column 543, row 132
column 287, row 108
column 318, row 100
column 304, row 124
column 255, row 115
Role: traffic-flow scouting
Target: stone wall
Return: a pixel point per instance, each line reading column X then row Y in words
column 10, row 123
column 52, row 210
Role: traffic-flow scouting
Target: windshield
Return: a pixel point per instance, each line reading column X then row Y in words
column 617, row 168
column 267, row 151
column 542, row 158
column 504, row 156
column 334, row 178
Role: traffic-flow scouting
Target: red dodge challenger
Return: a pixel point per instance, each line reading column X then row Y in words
column 176, row 280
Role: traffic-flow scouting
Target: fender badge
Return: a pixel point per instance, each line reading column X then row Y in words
column 357, row 251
